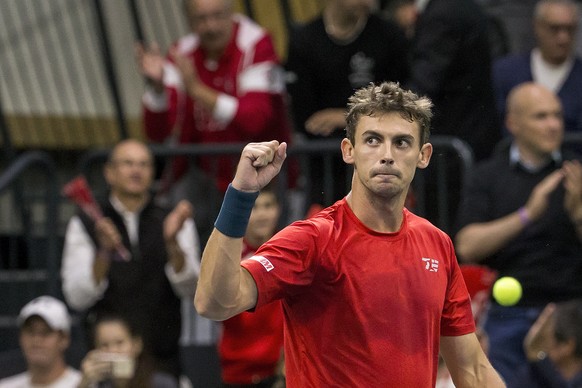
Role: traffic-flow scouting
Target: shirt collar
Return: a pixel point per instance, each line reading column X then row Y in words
column 515, row 159
column 120, row 207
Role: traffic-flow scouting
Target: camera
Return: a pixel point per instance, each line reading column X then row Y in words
column 121, row 365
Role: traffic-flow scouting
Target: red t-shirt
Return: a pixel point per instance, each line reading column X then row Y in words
column 251, row 343
column 362, row 308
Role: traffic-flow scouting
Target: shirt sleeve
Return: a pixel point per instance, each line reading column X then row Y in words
column 286, row 264
column 184, row 282
column 155, row 102
column 79, row 287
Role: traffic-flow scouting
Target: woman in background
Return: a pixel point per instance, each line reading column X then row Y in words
column 119, row 359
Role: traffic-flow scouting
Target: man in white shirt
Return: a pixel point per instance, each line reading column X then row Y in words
column 162, row 266
column 45, row 327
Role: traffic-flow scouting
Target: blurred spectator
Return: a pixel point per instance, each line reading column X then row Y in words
column 451, row 64
column 521, row 215
column 403, row 13
column 163, row 265
column 552, row 63
column 251, row 345
column 221, row 83
column 346, row 47
column 553, row 347
column 118, row 358
column 45, row 327
column 515, row 18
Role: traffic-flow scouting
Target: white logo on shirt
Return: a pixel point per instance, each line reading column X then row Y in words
column 431, row 265
column 264, row 262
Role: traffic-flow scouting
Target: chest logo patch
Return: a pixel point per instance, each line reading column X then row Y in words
column 431, row 265
column 264, row 262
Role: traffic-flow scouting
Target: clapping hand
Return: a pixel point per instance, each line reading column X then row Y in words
column 151, row 64
column 175, row 220
column 108, row 236
column 188, row 71
column 572, row 171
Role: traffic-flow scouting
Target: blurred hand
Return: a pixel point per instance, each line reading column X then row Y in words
column 108, row 237
column 94, row 368
column 175, row 220
column 539, row 335
column 572, row 171
column 539, row 198
column 151, row 64
column 325, row 121
column 187, row 70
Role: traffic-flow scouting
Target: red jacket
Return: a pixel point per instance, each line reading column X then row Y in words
column 251, row 105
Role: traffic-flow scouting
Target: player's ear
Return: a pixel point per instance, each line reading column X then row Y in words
column 347, row 151
column 424, row 155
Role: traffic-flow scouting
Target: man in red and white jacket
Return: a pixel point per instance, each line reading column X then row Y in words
column 221, row 83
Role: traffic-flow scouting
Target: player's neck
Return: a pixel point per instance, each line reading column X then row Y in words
column 379, row 214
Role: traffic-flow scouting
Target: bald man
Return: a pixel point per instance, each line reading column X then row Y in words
column 521, row 214
column 163, row 266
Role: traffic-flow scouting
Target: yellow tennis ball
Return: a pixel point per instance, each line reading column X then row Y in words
column 507, row 291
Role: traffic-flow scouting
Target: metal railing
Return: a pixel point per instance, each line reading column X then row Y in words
column 448, row 151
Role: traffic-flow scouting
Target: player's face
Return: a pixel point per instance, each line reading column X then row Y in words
column 114, row 337
column 42, row 346
column 264, row 218
column 131, row 170
column 556, row 32
column 386, row 153
column 211, row 20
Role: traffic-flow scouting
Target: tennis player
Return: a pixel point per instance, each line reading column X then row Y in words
column 371, row 292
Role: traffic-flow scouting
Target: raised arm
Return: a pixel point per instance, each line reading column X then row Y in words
column 224, row 287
